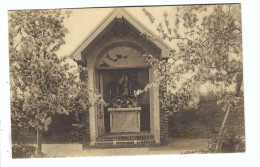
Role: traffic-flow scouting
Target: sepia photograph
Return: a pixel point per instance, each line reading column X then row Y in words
column 146, row 80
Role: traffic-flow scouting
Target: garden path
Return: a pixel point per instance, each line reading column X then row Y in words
column 177, row 146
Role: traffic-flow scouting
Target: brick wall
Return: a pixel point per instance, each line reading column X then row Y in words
column 86, row 137
column 164, row 127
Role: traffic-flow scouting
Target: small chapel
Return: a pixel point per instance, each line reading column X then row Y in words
column 116, row 68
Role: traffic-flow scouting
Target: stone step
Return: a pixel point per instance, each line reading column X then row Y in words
column 124, row 137
column 123, row 144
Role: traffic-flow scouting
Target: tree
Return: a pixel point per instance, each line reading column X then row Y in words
column 208, row 40
column 42, row 84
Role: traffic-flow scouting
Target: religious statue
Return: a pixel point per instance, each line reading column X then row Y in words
column 124, row 86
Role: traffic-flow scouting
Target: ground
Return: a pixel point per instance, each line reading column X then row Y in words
column 177, row 146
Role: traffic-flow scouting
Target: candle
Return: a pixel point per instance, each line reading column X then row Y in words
column 130, row 88
column 117, row 89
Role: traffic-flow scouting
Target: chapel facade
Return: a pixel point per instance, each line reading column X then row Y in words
column 116, row 68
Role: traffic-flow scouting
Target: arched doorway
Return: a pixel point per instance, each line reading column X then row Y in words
column 121, row 69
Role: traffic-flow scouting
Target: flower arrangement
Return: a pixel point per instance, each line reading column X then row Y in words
column 123, row 102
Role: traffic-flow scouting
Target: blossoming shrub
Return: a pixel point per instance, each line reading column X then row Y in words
column 23, row 151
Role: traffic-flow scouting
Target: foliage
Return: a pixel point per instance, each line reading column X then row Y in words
column 43, row 84
column 39, row 79
column 208, row 40
column 208, row 52
column 34, row 66
column 231, row 143
column 23, row 151
column 28, row 151
column 41, row 30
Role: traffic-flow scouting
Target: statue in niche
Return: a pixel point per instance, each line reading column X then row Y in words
column 120, row 93
column 124, row 85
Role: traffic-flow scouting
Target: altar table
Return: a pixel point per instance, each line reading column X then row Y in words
column 124, row 119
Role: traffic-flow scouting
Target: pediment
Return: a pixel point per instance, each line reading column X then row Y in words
column 118, row 22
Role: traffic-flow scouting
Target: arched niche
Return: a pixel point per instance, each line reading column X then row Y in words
column 122, row 55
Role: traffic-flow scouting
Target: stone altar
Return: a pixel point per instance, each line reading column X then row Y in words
column 124, row 119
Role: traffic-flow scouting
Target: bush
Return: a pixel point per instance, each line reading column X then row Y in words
column 23, row 151
column 203, row 122
column 233, row 144
column 230, row 144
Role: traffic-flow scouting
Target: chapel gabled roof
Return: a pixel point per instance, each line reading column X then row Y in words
column 118, row 13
